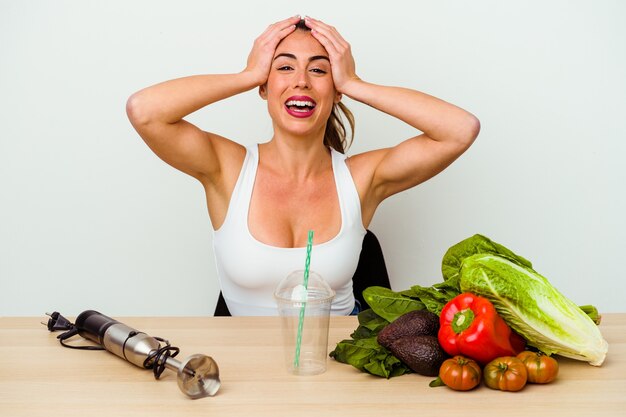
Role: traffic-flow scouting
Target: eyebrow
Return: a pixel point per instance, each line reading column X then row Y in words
column 292, row 56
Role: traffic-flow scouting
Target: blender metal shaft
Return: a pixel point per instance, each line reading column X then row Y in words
column 197, row 376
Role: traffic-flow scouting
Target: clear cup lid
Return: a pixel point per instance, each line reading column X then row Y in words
column 291, row 288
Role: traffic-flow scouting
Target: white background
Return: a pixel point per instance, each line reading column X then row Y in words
column 91, row 219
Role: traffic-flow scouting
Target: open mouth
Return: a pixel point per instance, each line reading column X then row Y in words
column 301, row 106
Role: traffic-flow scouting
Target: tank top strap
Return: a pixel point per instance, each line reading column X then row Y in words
column 348, row 195
column 242, row 193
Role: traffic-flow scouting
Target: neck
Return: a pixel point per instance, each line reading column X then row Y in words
column 298, row 157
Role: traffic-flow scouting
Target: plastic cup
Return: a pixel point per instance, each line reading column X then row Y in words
column 305, row 354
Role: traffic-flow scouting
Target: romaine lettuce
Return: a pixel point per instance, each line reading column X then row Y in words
column 533, row 307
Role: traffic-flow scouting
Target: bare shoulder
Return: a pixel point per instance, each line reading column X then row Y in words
column 230, row 156
column 227, row 148
column 363, row 166
column 219, row 186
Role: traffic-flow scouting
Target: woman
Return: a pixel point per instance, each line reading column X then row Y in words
column 263, row 200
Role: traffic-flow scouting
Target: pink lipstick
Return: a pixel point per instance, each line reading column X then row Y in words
column 300, row 106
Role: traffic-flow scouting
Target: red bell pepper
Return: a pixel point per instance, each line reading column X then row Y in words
column 470, row 326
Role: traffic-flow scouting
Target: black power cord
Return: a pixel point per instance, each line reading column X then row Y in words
column 57, row 322
column 155, row 360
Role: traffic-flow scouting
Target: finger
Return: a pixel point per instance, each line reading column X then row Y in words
column 323, row 27
column 286, row 31
column 321, row 33
column 326, row 42
column 281, row 34
column 334, row 46
column 277, row 31
column 328, row 31
column 282, row 25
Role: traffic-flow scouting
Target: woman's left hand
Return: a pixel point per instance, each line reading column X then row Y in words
column 341, row 60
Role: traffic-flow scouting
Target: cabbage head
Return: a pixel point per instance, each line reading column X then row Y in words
column 533, row 307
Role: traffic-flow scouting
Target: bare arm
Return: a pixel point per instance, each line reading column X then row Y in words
column 157, row 112
column 447, row 130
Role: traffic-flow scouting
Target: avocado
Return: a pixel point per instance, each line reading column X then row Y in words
column 422, row 354
column 413, row 323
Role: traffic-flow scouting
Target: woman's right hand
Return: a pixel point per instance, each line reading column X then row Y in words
column 262, row 54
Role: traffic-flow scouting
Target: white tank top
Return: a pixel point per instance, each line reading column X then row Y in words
column 249, row 270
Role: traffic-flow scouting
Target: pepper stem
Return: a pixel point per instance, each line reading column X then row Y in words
column 462, row 320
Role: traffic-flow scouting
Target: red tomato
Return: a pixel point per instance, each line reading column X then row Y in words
column 460, row 373
column 506, row 373
column 541, row 368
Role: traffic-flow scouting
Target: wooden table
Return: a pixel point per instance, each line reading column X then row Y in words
column 39, row 377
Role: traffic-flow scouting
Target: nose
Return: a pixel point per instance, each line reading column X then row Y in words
column 302, row 79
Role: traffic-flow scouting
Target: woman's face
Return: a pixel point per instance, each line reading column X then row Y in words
column 299, row 91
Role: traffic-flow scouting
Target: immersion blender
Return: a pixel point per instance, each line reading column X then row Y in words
column 198, row 375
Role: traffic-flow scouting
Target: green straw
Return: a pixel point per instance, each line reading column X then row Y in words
column 307, row 263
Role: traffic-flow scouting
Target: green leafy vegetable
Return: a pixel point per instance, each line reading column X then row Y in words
column 437, row 296
column 592, row 312
column 389, row 304
column 524, row 299
column 534, row 308
column 453, row 258
column 370, row 324
column 363, row 351
column 368, row 356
